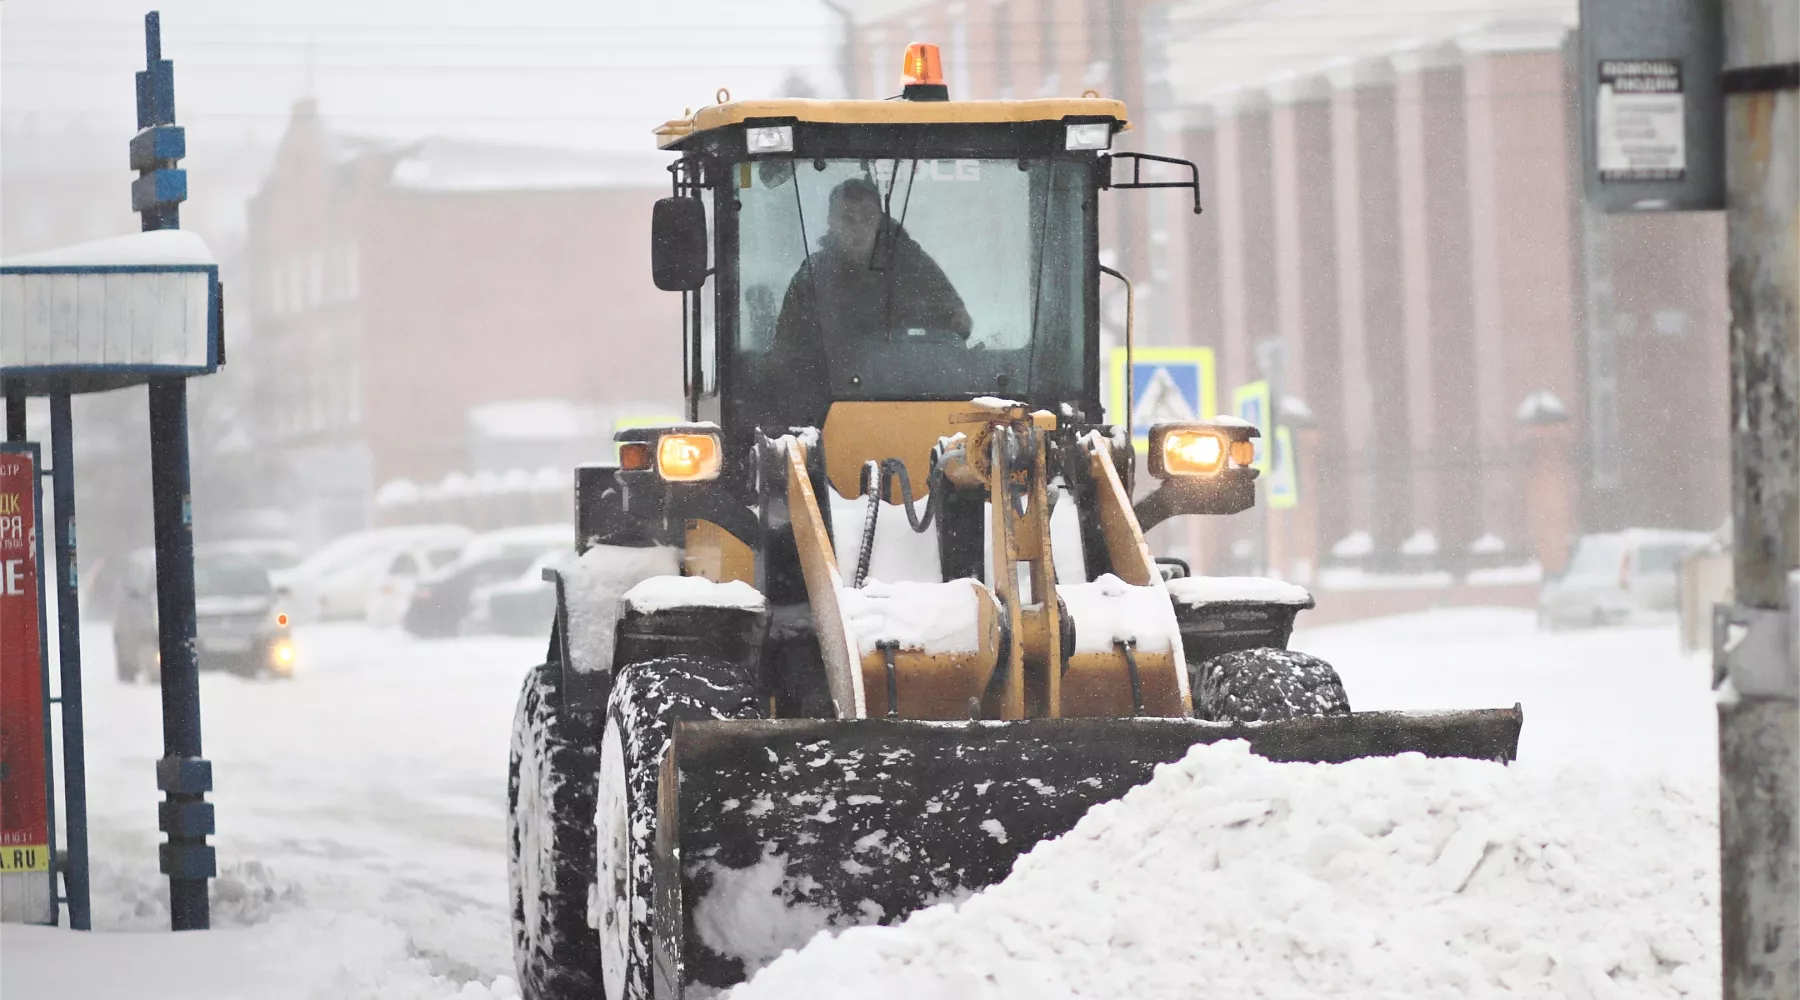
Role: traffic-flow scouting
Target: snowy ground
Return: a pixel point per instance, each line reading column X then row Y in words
column 361, row 805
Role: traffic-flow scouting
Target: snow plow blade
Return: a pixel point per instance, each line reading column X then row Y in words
column 770, row 831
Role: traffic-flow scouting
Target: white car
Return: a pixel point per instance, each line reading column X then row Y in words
column 440, row 601
column 337, row 580
column 523, row 605
column 1618, row 577
column 392, row 594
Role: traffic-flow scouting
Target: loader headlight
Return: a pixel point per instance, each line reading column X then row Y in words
column 770, row 139
column 1192, row 453
column 687, row 458
column 1200, row 449
column 1087, row 135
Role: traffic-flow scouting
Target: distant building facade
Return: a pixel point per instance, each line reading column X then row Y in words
column 1487, row 368
column 399, row 288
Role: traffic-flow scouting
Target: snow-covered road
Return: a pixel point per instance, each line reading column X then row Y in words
column 360, row 806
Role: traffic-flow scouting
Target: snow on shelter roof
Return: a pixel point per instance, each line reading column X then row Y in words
column 160, row 248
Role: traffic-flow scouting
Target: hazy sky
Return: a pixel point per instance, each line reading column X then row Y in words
column 596, row 74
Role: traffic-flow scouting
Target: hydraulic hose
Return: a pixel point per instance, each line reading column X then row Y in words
column 877, row 478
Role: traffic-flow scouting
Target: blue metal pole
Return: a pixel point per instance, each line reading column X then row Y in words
column 68, row 638
column 15, row 416
column 182, row 774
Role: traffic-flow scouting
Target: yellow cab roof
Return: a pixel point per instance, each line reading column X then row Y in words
column 862, row 112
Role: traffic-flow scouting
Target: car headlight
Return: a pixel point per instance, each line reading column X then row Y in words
column 282, row 656
column 688, row 458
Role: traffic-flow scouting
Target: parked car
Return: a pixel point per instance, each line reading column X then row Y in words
column 523, row 605
column 337, row 580
column 239, row 625
column 392, row 594
column 440, row 600
column 1618, row 577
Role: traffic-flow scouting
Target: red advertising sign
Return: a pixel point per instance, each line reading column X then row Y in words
column 24, row 797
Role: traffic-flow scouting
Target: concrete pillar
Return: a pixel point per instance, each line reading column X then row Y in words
column 1306, row 273
column 1521, row 213
column 1549, row 503
column 1246, row 216
column 1365, row 170
column 1431, row 135
column 1198, row 263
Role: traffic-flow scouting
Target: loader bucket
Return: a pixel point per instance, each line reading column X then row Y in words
column 770, row 831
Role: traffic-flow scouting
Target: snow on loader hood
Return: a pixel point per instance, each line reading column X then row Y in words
column 1232, row 876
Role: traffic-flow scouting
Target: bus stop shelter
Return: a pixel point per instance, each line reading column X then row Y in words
column 142, row 309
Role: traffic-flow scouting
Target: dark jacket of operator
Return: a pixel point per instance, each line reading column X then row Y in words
column 836, row 295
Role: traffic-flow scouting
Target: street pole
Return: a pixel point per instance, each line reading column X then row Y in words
column 1759, row 730
column 74, row 862
column 183, row 774
column 1271, row 356
column 15, row 416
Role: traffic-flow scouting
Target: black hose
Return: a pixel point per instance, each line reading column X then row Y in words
column 876, row 481
column 872, row 489
column 893, row 469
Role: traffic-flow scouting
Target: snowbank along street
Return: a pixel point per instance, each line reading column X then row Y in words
column 361, row 816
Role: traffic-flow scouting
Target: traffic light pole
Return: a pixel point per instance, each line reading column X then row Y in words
column 1755, row 641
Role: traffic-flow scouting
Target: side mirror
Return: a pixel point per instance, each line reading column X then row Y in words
column 678, row 244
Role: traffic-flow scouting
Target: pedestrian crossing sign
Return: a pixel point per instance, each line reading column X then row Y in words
column 1284, row 484
column 1251, row 404
column 1167, row 384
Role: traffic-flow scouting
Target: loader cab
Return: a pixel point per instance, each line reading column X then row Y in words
column 903, row 250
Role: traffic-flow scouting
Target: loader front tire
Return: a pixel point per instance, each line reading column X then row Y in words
column 647, row 699
column 550, row 841
column 1266, row 685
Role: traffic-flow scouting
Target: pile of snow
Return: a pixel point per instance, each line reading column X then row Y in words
column 1231, row 876
column 1109, row 610
column 593, row 587
column 899, row 555
column 937, row 617
column 1355, row 545
column 1420, row 543
column 660, row 593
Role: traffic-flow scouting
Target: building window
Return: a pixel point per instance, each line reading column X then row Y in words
column 315, row 275
column 296, row 284
column 273, row 291
column 352, row 279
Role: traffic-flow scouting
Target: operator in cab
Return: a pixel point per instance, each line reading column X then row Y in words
column 867, row 280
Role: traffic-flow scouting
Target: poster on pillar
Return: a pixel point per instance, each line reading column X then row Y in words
column 1168, row 385
column 27, row 883
column 1250, row 403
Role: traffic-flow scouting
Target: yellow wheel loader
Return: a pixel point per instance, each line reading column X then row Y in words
column 880, row 616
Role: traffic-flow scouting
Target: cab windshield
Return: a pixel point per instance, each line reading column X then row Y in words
column 909, row 279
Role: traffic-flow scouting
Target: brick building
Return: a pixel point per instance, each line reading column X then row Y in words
column 398, row 287
column 1392, row 198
